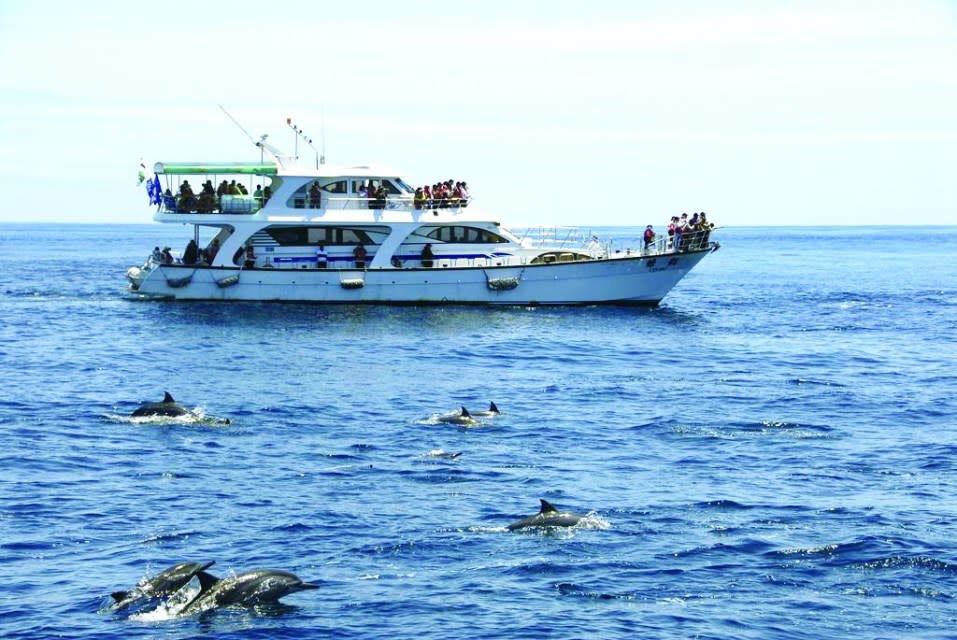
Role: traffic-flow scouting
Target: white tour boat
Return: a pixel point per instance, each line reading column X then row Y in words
column 278, row 231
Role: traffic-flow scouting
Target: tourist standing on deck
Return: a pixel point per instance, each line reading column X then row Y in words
column 649, row 237
column 250, row 257
column 321, row 257
column 359, row 254
column 427, row 257
column 315, row 197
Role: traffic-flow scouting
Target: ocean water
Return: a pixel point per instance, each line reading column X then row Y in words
column 771, row 453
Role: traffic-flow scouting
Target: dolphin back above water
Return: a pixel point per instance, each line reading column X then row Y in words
column 162, row 584
column 246, row 589
column 462, row 417
column 548, row 516
column 491, row 411
column 167, row 408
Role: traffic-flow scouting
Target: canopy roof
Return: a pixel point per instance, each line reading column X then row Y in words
column 219, row 168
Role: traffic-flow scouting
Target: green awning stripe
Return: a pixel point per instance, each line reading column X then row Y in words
column 206, row 168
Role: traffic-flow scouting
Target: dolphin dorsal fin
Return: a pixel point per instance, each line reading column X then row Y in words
column 547, row 507
column 492, row 408
column 206, row 581
column 465, row 412
column 167, row 397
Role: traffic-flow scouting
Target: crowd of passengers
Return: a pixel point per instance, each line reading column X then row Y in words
column 442, row 195
column 684, row 233
column 374, row 196
column 209, row 199
column 192, row 255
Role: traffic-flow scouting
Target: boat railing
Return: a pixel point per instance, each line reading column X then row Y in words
column 225, row 204
column 251, row 204
column 400, row 203
column 561, row 237
column 664, row 245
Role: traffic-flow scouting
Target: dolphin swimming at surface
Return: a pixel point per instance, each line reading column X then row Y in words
column 461, row 418
column 167, row 408
column 250, row 588
column 491, row 411
column 162, row 584
column 548, row 516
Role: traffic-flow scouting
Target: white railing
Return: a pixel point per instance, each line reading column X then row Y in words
column 402, row 203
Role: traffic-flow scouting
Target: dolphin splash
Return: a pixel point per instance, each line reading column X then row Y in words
column 167, row 408
column 547, row 516
column 187, row 589
column 161, row 585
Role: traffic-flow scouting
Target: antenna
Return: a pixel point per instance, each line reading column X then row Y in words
column 261, row 143
column 236, row 122
column 302, row 134
column 322, row 133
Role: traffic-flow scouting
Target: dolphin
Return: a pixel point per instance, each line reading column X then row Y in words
column 162, row 584
column 167, row 408
column 445, row 455
column 548, row 516
column 246, row 589
column 490, row 412
column 461, row 418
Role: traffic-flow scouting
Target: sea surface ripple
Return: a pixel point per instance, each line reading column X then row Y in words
column 770, row 453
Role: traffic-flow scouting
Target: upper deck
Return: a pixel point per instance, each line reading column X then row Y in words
column 270, row 191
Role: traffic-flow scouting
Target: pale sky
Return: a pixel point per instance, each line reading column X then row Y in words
column 555, row 112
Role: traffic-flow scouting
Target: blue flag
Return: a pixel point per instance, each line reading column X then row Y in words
column 153, row 190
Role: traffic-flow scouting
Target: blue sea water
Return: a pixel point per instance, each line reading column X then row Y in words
column 771, row 453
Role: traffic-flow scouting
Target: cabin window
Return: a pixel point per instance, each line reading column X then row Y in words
column 462, row 234
column 301, row 199
column 330, row 236
column 393, row 186
column 403, row 186
column 560, row 256
column 339, row 186
column 287, row 236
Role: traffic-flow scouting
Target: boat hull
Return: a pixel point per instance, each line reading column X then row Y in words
column 639, row 280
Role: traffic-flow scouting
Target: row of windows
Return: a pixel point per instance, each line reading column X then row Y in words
column 331, row 236
column 462, row 234
column 394, row 186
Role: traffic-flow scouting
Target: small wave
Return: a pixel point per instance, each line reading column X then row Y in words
column 441, row 454
column 724, row 505
column 481, row 529
column 822, row 383
column 343, row 470
column 294, row 527
column 165, row 537
column 748, row 547
column 923, row 562
column 764, row 428
column 438, row 475
column 196, row 417
column 570, row 589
